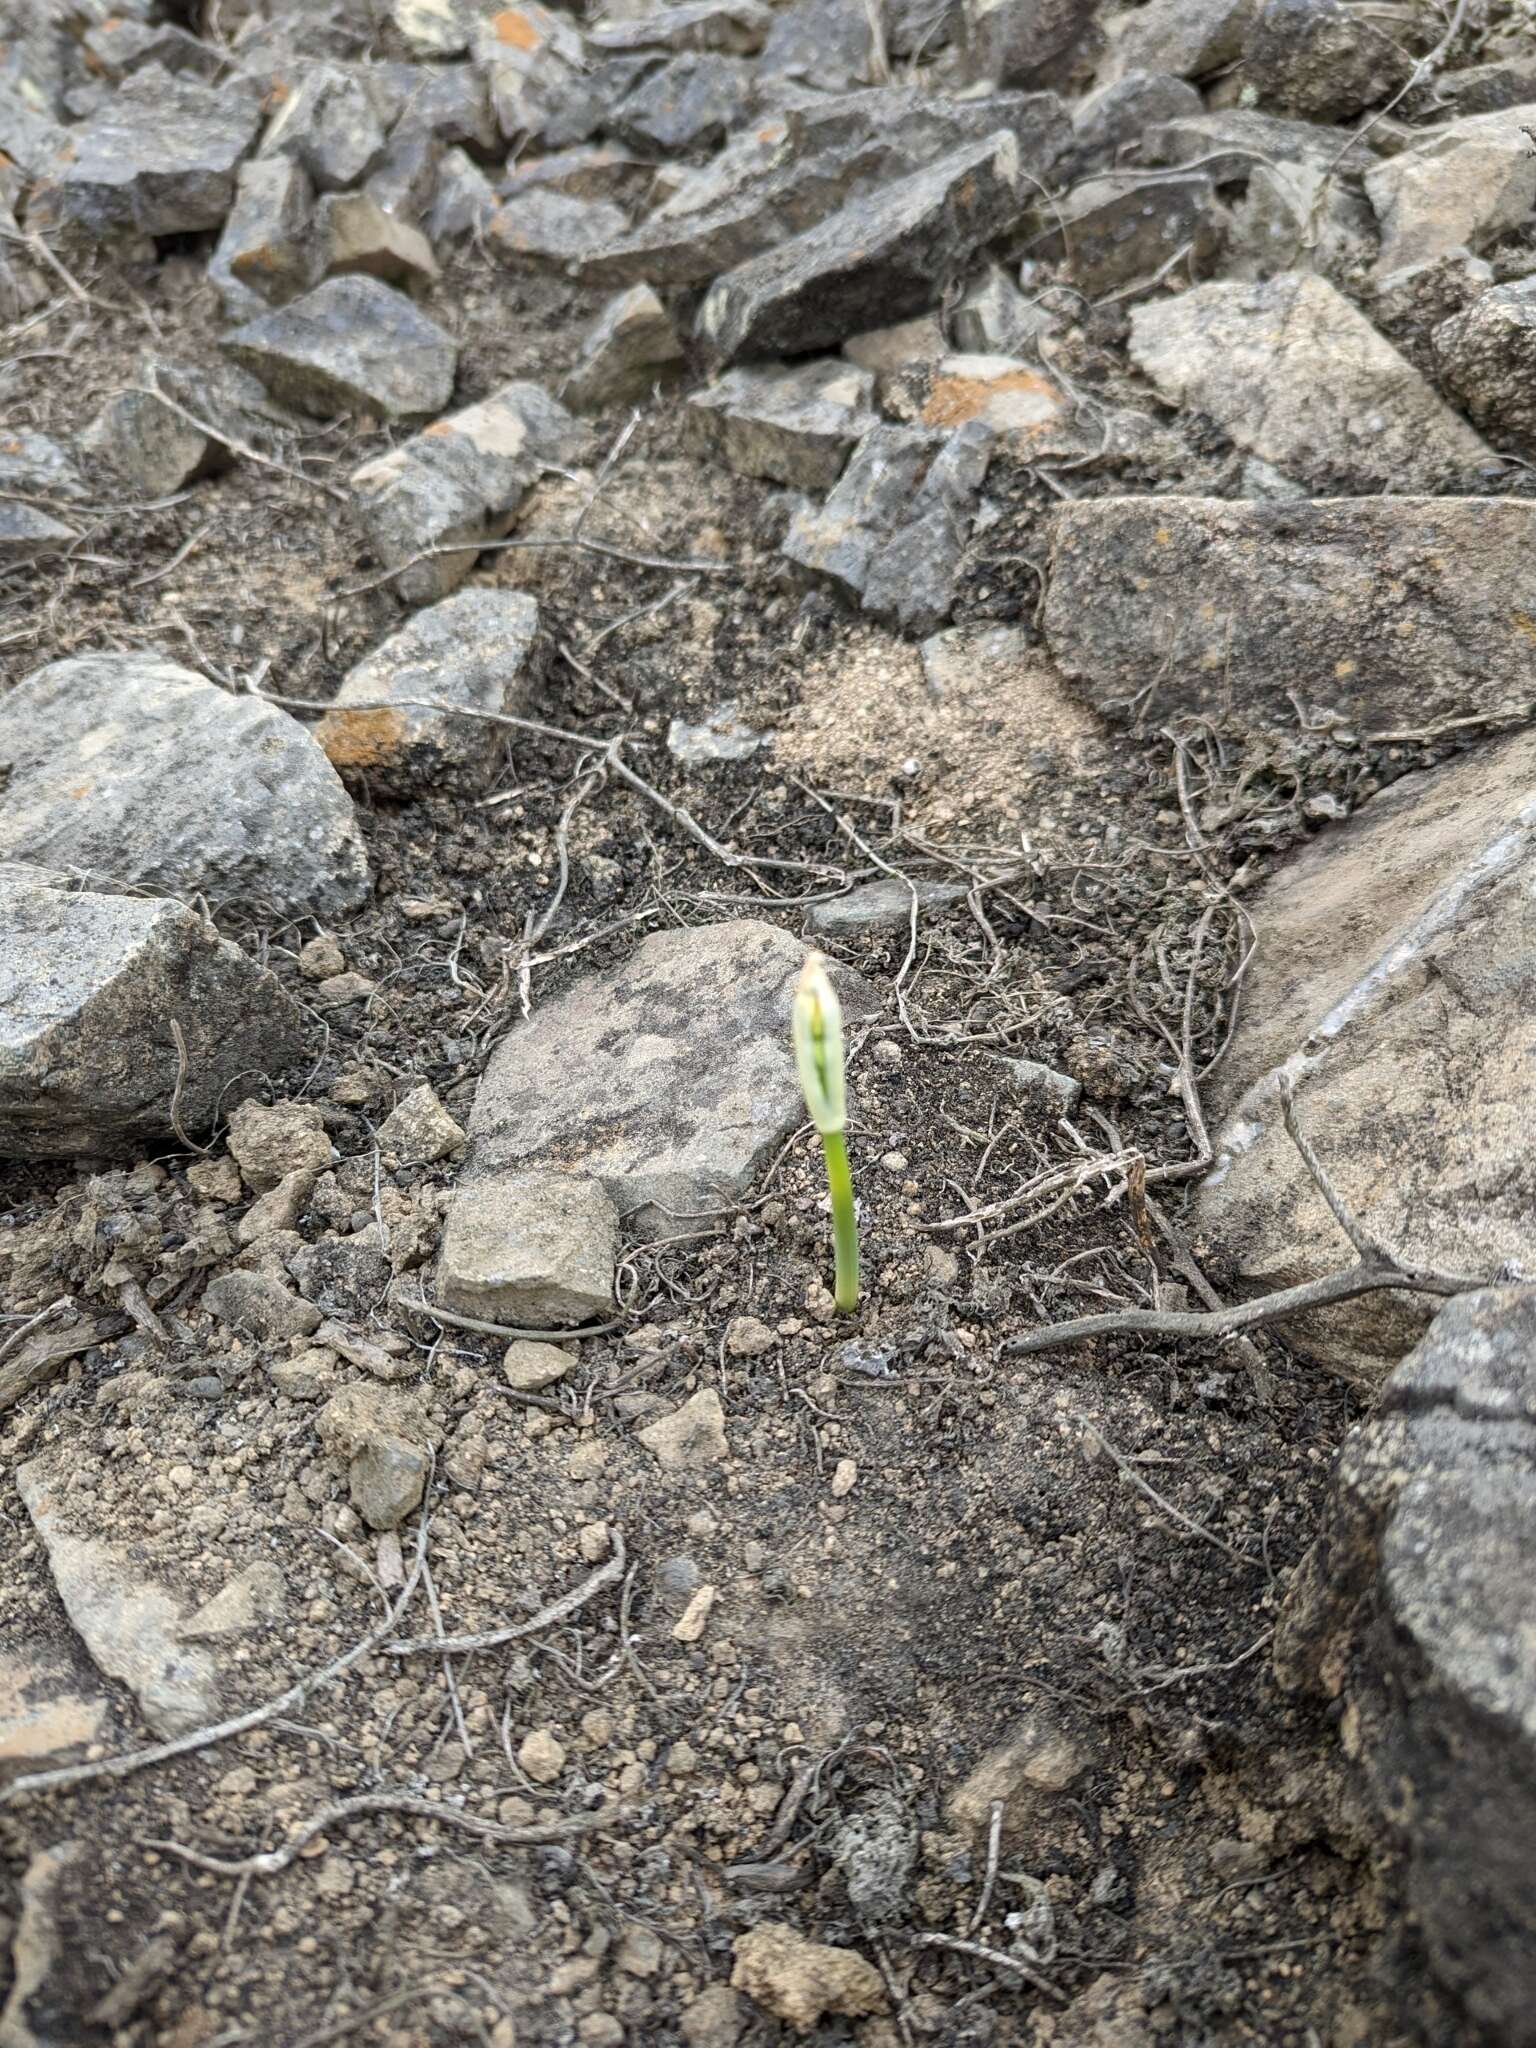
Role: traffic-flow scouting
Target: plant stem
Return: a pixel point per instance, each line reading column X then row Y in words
column 845, row 1227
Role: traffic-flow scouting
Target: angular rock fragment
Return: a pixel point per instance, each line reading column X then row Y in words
column 1229, row 143
column 90, row 987
column 129, row 1624
column 473, row 651
column 459, row 483
column 117, row 46
column 176, row 424
column 419, row 1131
column 1113, row 120
column 884, row 906
column 382, row 1437
column 793, row 423
column 995, row 318
column 36, row 466
column 329, row 125
column 272, row 1141
column 1320, row 59
column 160, row 157
column 691, row 1438
column 350, row 345
column 27, row 532
column 1295, row 217
column 819, row 43
column 439, row 28
column 1189, row 38
column 1295, row 375
column 260, row 1307
column 917, row 127
column 554, row 231
column 1393, row 984
column 736, row 27
column 532, row 59
column 1466, row 184
column 594, row 171
column 669, row 1079
column 911, row 580
column 529, row 1246
column 1023, row 42
column 266, row 254
column 403, row 184
column 1414, row 1612
column 876, row 260
column 840, row 539
column 1125, row 227
column 1487, row 357
column 632, row 346
column 691, row 103
column 723, row 736
column 1391, row 612
column 360, row 239
column 102, row 752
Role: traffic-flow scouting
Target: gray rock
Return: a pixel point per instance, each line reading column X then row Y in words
column 737, row 27
column 447, row 103
column 27, row 532
column 793, row 423
column 419, row 1131
column 723, row 736
column 535, row 1247
column 1122, row 227
column 272, row 1141
column 1295, row 217
column 632, row 346
column 360, row 239
column 552, row 231
column 459, row 484
column 89, row 987
column 1229, row 143
column 1320, row 59
column 118, row 46
column 346, row 1276
column 33, row 137
column 128, row 1623
column 464, row 200
column 995, row 318
column 533, row 60
column 594, row 171
column 473, row 650
column 877, row 260
column 350, row 345
column 146, row 433
column 260, row 1307
column 1295, row 375
column 691, row 1438
column 691, row 103
column 1188, row 38
column 1414, row 1612
column 404, row 182
column 159, row 158
column 880, row 907
column 36, row 466
column 820, row 43
column 329, row 125
column 1508, row 81
column 266, row 254
column 1466, row 184
column 917, row 127
column 1112, row 120
column 1393, row 983
column 1487, row 357
column 1043, row 1086
column 102, row 752
column 669, row 1079
column 1390, row 611
column 1023, row 42
column 912, row 577
column 840, row 539
column 385, row 1442
column 438, row 28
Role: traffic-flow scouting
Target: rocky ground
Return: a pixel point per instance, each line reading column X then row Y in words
column 514, row 525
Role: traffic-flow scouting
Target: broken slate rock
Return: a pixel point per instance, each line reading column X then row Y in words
column 691, row 103
column 880, row 907
column 736, row 27
column 267, row 253
column 360, row 239
column 1415, row 1614
column 1466, row 184
column 550, row 230
column 89, row 988
column 534, row 1248
column 472, row 651
column 1320, row 59
column 1187, row 38
column 160, row 157
column 839, row 540
column 1023, row 42
column 35, row 465
column 1388, row 611
column 1111, row 121
column 129, row 1624
column 912, row 576
column 329, row 125
column 1487, row 357
column 147, row 435
column 1228, row 143
column 1295, row 216
column 270, row 1141
column 794, row 423
column 351, row 345
column 459, row 483
column 102, row 751
column 878, row 259
column 631, row 347
column 27, row 532
column 1294, row 374
column 1393, row 984
column 669, row 1079
column 994, row 318
column 1123, row 227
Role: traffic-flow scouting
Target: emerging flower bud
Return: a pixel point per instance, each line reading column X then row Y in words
column 817, row 1026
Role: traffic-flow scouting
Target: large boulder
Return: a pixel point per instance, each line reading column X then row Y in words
column 1393, row 611
column 90, row 989
column 1415, row 1612
column 133, row 772
column 1394, row 986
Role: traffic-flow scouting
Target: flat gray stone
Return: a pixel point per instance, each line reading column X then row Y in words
column 160, row 157
column 128, row 1623
column 1295, row 217
column 1229, row 143
column 631, row 347
column 550, row 230
column 795, row 423
column 884, row 906
column 260, row 1307
column 473, row 649
column 1466, row 184
column 459, row 483
column 1391, row 611
column 266, row 253
column 105, row 752
column 691, row 102
column 1415, row 1613
column 994, row 318
column 1487, row 357
column 533, row 60
column 737, row 27
column 531, row 1247
column 912, row 576
column 876, row 260
column 1188, row 38
column 329, row 125
column 1294, row 374
column 26, row 531
column 1393, row 983
column 153, row 445
column 1122, row 227
column 669, row 1079
column 1023, row 42
column 89, row 987
column 1113, row 120
column 840, row 539
column 36, row 465
column 1320, row 59
column 350, row 345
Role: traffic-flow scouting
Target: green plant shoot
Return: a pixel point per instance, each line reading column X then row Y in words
column 817, row 1024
